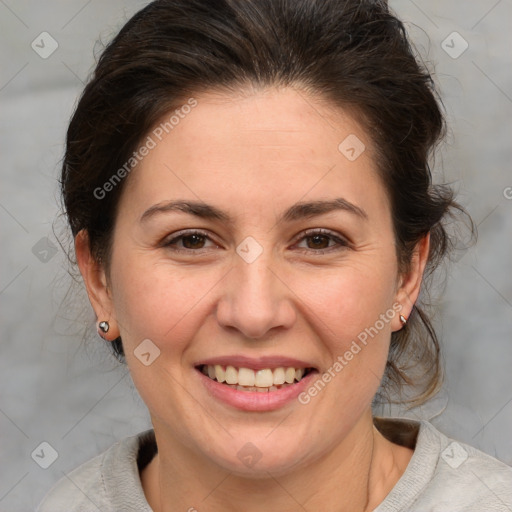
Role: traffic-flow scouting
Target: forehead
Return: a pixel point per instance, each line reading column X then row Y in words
column 257, row 147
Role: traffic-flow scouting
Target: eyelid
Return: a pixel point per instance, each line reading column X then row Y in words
column 167, row 241
column 342, row 242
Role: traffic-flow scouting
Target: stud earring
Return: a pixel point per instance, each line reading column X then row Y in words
column 104, row 326
column 403, row 319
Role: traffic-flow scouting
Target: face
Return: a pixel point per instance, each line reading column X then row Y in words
column 287, row 260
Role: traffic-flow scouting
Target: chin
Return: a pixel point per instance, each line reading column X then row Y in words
column 259, row 459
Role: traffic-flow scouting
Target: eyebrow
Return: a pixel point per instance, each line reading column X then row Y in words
column 297, row 211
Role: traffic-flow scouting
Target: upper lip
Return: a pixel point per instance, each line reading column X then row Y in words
column 255, row 363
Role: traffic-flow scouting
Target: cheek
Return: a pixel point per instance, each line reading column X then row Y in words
column 157, row 302
column 351, row 311
column 160, row 302
column 356, row 339
column 350, row 299
column 168, row 304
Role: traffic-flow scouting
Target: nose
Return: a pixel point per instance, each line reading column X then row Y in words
column 256, row 298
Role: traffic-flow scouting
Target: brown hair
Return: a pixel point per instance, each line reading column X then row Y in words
column 354, row 53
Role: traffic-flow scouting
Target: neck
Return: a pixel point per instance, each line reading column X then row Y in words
column 355, row 475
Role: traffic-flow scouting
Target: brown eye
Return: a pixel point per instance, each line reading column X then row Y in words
column 193, row 241
column 318, row 241
column 322, row 241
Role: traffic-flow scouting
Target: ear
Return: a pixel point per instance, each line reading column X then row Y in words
column 96, row 284
column 410, row 282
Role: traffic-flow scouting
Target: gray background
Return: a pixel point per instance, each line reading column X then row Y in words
column 56, row 388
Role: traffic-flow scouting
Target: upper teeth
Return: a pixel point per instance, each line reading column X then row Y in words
column 258, row 378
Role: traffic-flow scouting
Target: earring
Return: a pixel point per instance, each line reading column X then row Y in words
column 104, row 326
column 403, row 319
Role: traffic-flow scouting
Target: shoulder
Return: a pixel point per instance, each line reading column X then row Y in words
column 444, row 474
column 80, row 490
column 106, row 482
column 468, row 478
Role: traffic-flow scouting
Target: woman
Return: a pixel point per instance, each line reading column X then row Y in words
column 248, row 188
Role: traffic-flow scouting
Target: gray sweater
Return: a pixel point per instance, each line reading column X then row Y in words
column 442, row 476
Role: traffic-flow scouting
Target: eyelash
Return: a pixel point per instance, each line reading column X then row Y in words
column 310, row 233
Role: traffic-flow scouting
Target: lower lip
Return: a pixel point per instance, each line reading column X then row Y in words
column 255, row 400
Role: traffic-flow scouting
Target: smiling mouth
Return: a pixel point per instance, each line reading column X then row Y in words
column 246, row 379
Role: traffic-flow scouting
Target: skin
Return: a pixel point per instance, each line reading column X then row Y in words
column 253, row 155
